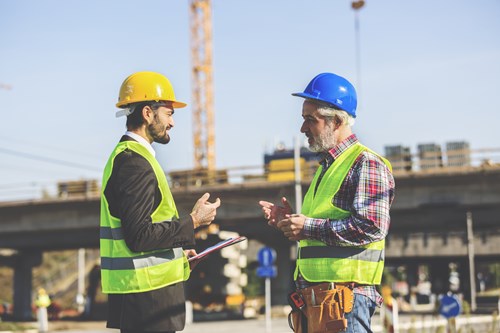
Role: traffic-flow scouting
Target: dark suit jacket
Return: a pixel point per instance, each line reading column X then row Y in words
column 133, row 194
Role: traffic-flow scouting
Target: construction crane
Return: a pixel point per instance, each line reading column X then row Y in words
column 202, row 85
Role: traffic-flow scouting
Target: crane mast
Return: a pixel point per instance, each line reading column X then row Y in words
column 202, row 84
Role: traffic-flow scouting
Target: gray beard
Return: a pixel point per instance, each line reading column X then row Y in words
column 324, row 142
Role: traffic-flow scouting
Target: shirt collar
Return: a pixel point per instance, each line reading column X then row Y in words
column 335, row 152
column 142, row 141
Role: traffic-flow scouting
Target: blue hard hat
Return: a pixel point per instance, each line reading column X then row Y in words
column 332, row 90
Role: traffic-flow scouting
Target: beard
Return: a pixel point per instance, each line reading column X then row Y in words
column 324, row 141
column 158, row 131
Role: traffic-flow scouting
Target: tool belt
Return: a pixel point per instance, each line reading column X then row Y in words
column 321, row 308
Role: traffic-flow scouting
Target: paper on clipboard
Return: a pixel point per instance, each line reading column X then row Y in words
column 217, row 247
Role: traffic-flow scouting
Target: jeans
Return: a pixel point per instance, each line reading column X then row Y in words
column 359, row 319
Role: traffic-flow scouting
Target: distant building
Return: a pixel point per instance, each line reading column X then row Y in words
column 430, row 156
column 458, row 154
column 399, row 156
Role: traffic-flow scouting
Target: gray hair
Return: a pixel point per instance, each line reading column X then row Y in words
column 330, row 113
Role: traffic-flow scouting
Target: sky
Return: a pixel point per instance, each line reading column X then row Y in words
column 429, row 72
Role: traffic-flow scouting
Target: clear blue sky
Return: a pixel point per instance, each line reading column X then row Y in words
column 430, row 72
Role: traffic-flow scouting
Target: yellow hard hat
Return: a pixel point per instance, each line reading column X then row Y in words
column 147, row 86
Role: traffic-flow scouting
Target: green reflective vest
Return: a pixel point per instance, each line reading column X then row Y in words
column 318, row 262
column 43, row 301
column 122, row 270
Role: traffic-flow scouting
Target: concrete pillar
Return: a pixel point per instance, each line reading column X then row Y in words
column 281, row 285
column 412, row 273
column 439, row 272
column 23, row 264
column 464, row 274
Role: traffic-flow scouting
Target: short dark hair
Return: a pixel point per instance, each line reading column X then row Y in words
column 135, row 120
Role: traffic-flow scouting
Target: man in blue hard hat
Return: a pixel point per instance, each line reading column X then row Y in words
column 344, row 220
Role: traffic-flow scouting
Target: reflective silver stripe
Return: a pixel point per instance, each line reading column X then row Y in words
column 111, row 233
column 314, row 252
column 143, row 261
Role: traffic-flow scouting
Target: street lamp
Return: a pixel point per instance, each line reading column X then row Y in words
column 356, row 6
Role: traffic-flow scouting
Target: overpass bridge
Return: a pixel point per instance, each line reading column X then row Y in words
column 428, row 224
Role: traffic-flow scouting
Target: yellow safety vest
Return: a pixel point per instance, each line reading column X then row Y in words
column 122, row 270
column 319, row 262
column 43, row 301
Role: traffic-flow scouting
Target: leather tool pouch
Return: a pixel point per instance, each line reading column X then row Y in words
column 326, row 306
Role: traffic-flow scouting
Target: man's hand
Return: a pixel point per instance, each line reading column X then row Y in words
column 191, row 253
column 204, row 212
column 292, row 226
column 274, row 213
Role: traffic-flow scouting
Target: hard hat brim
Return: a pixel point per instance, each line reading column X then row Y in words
column 175, row 104
column 321, row 102
column 315, row 98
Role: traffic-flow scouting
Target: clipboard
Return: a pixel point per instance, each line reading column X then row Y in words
column 217, row 247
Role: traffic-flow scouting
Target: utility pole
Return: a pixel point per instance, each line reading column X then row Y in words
column 356, row 6
column 298, row 175
column 472, row 270
column 202, row 81
column 80, row 298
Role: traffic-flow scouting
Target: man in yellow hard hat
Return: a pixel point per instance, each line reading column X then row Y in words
column 142, row 237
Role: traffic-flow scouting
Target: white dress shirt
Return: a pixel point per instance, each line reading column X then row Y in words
column 142, row 141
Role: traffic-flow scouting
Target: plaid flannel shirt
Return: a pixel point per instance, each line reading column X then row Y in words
column 367, row 192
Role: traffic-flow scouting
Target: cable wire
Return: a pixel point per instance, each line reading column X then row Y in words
column 48, row 160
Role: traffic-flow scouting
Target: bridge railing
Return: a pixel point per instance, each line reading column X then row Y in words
column 186, row 179
column 78, row 188
column 463, row 160
column 427, row 163
column 448, row 161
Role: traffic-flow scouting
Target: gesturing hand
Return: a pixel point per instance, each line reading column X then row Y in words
column 292, row 226
column 204, row 212
column 275, row 213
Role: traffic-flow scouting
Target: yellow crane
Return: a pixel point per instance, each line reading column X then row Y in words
column 202, row 84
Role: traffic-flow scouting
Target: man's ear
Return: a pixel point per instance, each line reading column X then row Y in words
column 337, row 122
column 147, row 114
